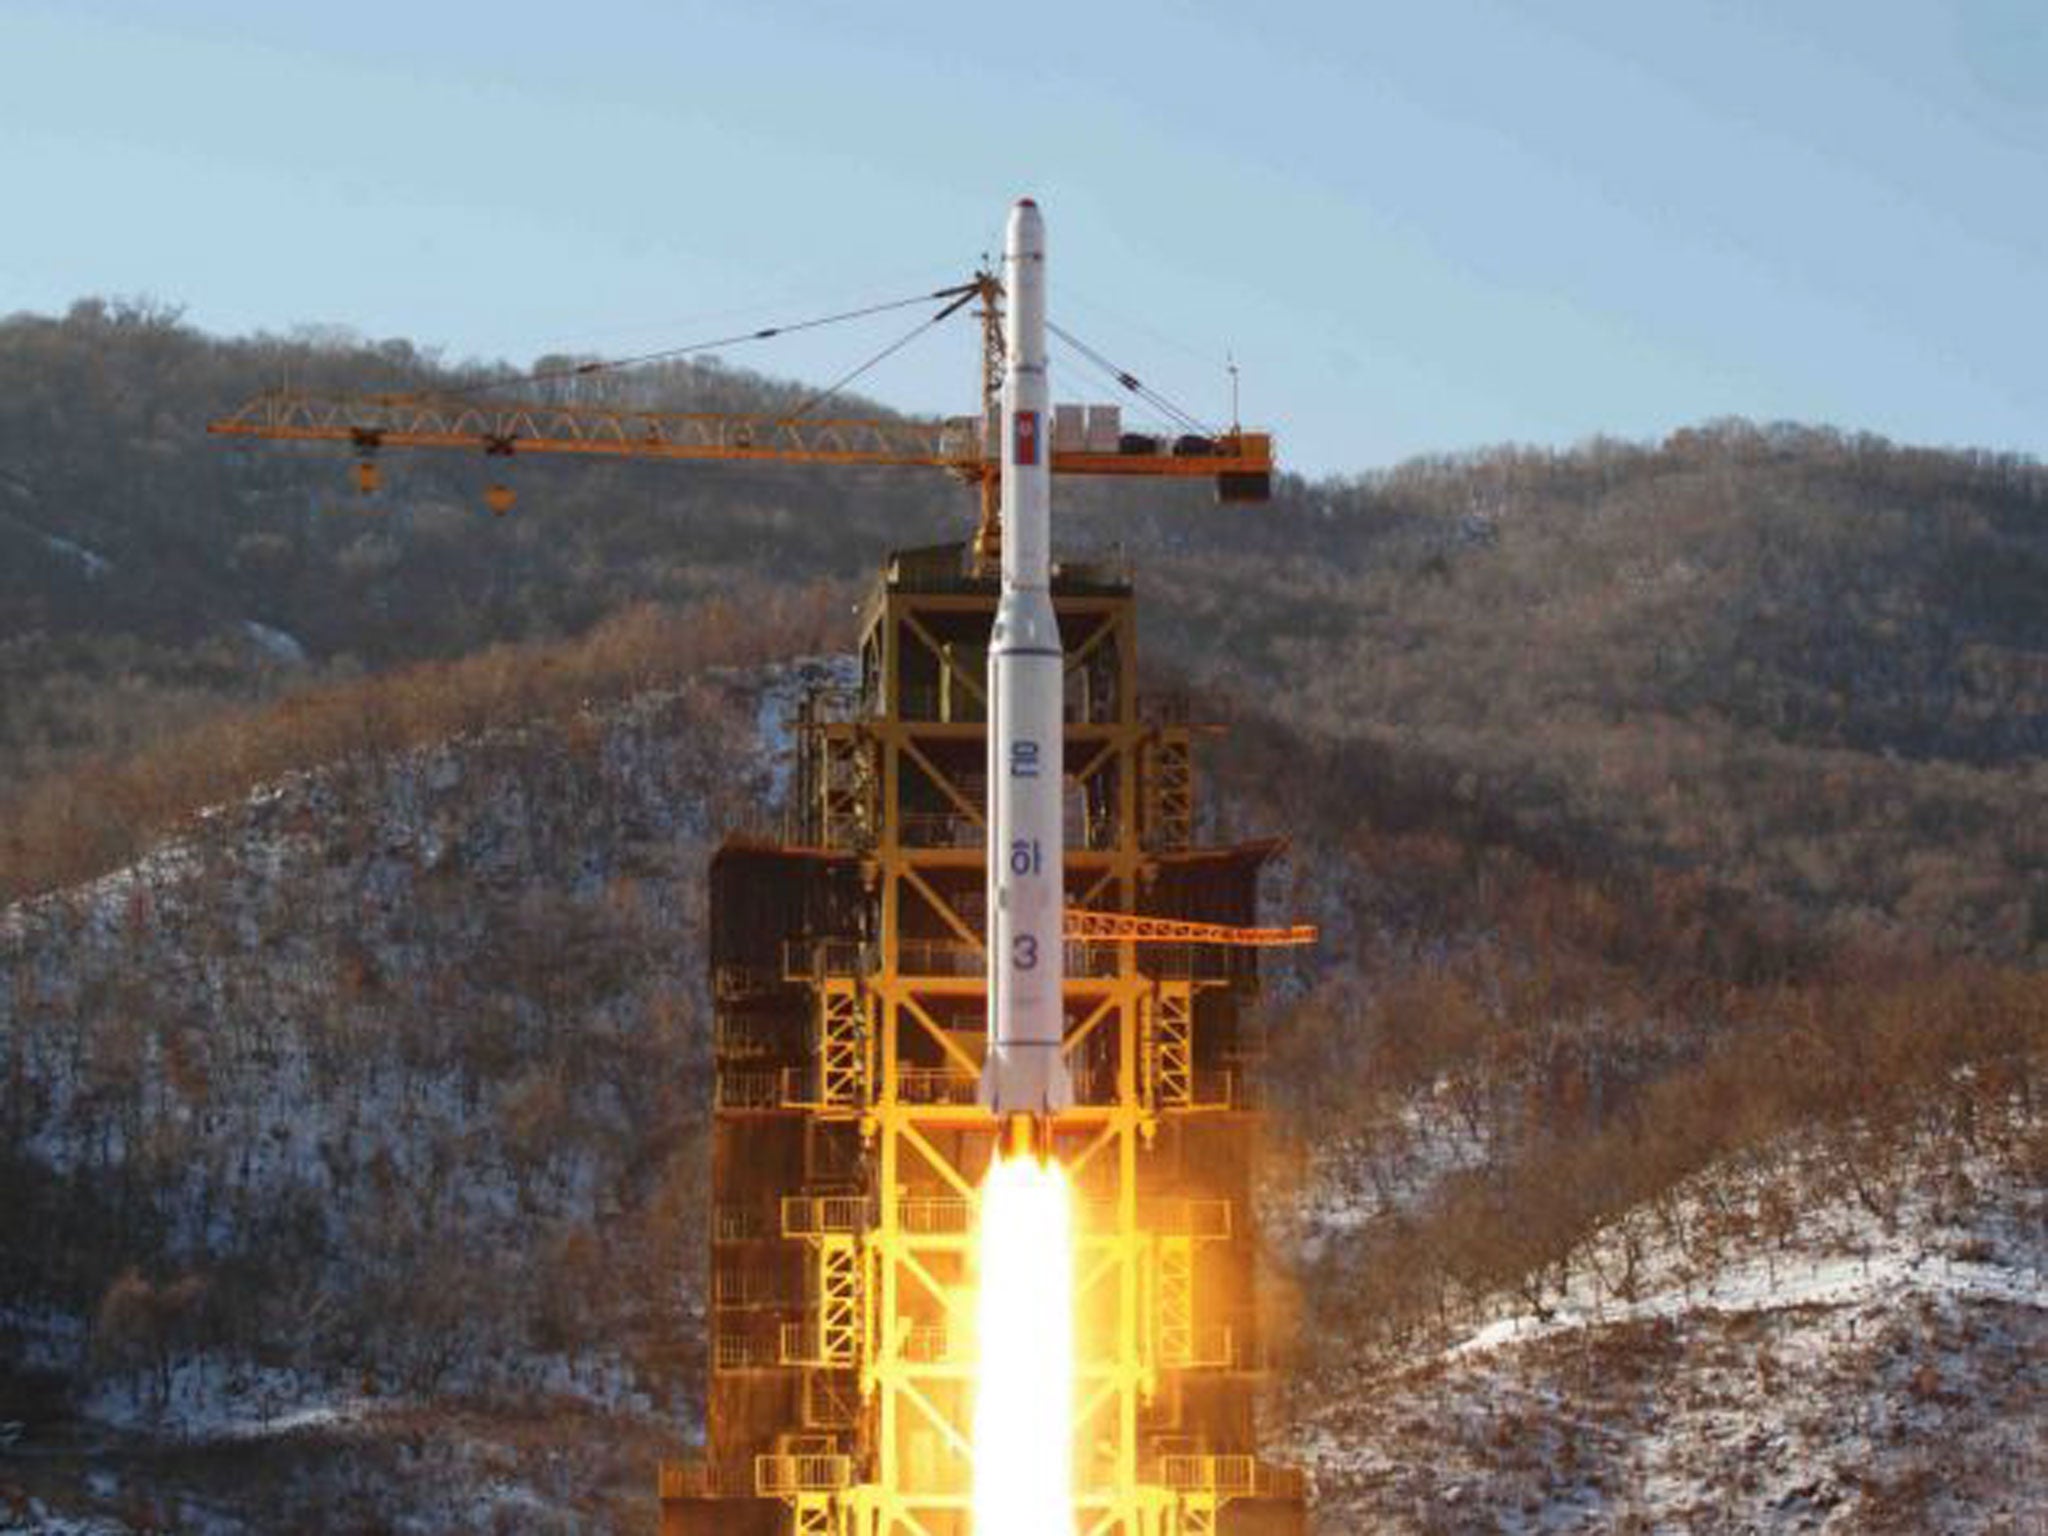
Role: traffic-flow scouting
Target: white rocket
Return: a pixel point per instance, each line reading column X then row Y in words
column 1025, row 1074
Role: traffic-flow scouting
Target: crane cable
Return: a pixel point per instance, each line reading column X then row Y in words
column 959, row 293
column 960, row 301
column 1130, row 381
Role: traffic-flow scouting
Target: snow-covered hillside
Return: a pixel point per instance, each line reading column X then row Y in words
column 378, row 1091
column 1775, row 1347
column 350, row 1178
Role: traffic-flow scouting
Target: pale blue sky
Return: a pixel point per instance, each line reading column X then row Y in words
column 1418, row 227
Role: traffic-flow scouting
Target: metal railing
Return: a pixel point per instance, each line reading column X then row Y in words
column 1230, row 1477
column 929, row 1344
column 937, row 1086
column 1090, row 958
column 935, row 1215
column 739, row 1223
column 813, row 959
column 828, row 704
column 1225, row 1088
column 1210, row 1347
column 745, row 1289
column 940, row 957
column 746, row 1351
column 687, row 1480
column 781, row 1477
column 754, row 1089
column 807, row 1216
column 745, row 1037
column 1172, row 1216
column 732, row 982
column 824, row 1215
column 792, row 1088
column 939, row 829
column 800, row 1344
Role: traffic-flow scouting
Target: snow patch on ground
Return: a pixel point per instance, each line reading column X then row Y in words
column 782, row 688
column 277, row 644
column 94, row 565
column 206, row 1398
column 1888, row 1278
column 1353, row 1182
column 1874, row 1364
column 37, row 1519
column 44, row 1338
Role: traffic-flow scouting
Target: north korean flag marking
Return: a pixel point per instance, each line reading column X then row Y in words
column 1027, row 437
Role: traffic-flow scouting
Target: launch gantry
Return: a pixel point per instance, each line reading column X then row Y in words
column 849, row 1145
column 849, row 966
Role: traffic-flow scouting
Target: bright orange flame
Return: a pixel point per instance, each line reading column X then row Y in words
column 1024, row 1319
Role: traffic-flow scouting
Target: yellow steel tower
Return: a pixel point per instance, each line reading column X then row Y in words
column 849, row 1147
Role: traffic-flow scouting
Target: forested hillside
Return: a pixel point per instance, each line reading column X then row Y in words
column 1676, row 816
column 149, row 572
column 1810, row 666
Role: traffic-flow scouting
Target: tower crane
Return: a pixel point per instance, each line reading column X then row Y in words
column 1238, row 462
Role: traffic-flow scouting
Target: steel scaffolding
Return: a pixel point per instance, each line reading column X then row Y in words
column 848, row 1146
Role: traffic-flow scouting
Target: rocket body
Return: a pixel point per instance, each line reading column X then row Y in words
column 1025, row 1072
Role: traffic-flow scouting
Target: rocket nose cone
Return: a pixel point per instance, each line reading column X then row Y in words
column 1027, row 226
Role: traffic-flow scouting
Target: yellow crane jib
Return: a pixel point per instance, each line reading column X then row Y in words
column 1241, row 463
column 1127, row 928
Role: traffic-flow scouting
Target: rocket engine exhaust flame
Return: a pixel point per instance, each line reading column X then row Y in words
column 1024, row 1380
